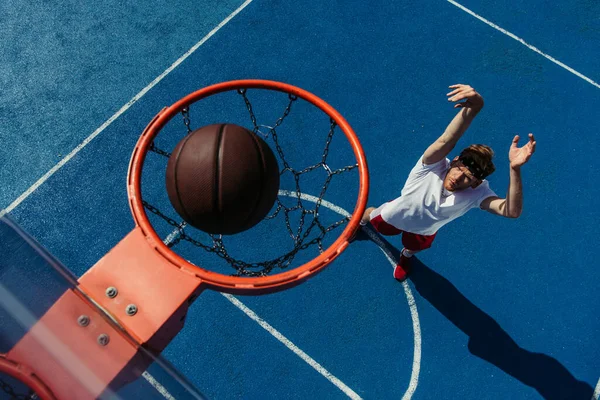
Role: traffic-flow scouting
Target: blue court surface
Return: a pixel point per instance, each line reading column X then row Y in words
column 496, row 309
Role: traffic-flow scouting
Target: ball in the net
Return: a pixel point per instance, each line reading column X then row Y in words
column 222, row 179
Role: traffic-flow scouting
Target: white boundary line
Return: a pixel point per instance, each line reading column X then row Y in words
column 310, row 361
column 274, row 332
column 116, row 115
column 518, row 39
column 596, row 395
column 107, row 123
column 416, row 367
column 414, row 377
column 157, row 385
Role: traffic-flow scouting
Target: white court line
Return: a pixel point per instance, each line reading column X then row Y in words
column 416, row 367
column 107, row 123
column 310, row 361
column 314, row 199
column 596, row 395
column 414, row 377
column 518, row 39
column 274, row 332
column 156, row 384
column 128, row 105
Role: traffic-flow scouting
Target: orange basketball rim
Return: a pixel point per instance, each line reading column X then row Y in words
column 235, row 284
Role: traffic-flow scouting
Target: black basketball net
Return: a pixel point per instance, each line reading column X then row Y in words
column 300, row 235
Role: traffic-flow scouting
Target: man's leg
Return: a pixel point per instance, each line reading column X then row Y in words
column 413, row 244
column 367, row 215
column 373, row 215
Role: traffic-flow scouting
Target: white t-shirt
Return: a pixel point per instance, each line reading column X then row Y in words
column 424, row 206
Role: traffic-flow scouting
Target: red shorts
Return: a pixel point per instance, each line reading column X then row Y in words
column 411, row 241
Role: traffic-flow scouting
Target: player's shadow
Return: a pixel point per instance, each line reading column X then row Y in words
column 487, row 339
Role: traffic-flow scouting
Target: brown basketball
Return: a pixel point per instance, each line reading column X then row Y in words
column 222, row 179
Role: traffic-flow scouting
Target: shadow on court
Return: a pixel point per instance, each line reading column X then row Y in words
column 487, row 339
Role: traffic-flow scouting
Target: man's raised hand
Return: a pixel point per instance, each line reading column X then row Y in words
column 465, row 92
column 520, row 155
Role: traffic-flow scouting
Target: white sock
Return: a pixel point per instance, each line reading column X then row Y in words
column 408, row 253
column 364, row 223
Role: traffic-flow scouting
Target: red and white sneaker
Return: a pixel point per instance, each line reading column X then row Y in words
column 402, row 270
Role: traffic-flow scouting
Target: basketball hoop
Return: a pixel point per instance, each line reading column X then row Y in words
column 260, row 282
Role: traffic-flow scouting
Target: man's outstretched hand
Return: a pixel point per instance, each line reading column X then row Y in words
column 520, row 155
column 465, row 92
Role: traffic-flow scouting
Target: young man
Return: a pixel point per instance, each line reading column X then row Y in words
column 438, row 190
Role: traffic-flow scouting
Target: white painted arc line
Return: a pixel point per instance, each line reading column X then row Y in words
column 416, row 369
column 265, row 325
column 171, row 236
column 305, row 357
column 116, row 115
column 523, row 42
column 53, row 170
column 596, row 394
column 314, row 199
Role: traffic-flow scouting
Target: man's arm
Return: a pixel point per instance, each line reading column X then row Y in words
column 459, row 124
column 512, row 206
